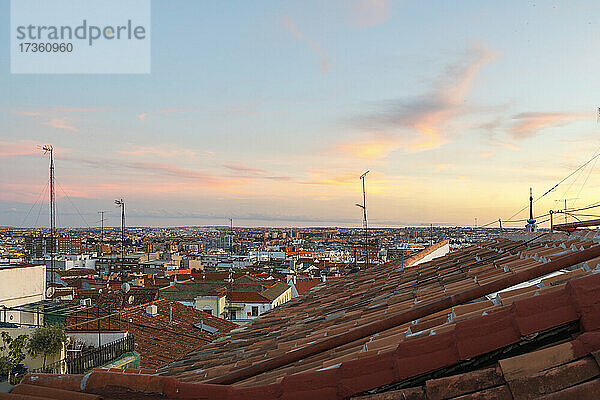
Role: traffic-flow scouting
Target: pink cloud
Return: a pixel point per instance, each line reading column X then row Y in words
column 158, row 151
column 27, row 113
column 19, row 148
column 290, row 26
column 374, row 147
column 442, row 167
column 52, row 111
column 60, row 123
column 80, row 109
column 20, row 192
column 243, row 169
column 367, row 13
column 143, row 116
column 423, row 122
column 528, row 124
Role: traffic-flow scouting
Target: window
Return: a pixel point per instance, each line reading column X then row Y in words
column 207, row 309
column 232, row 315
column 255, row 311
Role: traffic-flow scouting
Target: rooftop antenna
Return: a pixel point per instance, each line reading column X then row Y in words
column 120, row 203
column 101, row 230
column 365, row 225
column 565, row 209
column 48, row 149
column 230, row 235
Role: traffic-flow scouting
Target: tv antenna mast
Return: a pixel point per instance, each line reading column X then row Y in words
column 48, row 149
column 565, row 203
column 365, row 225
column 120, row 203
column 230, row 237
column 102, row 219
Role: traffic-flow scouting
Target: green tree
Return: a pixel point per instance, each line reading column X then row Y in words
column 13, row 350
column 47, row 340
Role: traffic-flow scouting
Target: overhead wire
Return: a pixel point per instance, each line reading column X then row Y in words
column 595, row 157
column 74, row 205
column 40, row 195
column 39, row 213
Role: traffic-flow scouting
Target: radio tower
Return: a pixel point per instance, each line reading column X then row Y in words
column 48, row 149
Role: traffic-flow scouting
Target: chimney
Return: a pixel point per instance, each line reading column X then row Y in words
column 152, row 310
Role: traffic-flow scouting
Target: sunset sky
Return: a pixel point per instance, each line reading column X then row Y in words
column 268, row 112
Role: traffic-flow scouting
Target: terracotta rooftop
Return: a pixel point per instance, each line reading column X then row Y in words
column 161, row 338
column 540, row 339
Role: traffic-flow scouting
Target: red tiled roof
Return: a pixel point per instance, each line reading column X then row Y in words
column 303, row 285
column 251, row 297
column 161, row 338
column 558, row 367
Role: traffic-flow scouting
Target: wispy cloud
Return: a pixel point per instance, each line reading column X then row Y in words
column 528, row 124
column 56, row 117
column 423, row 122
column 156, row 151
column 442, row 167
column 245, row 170
column 374, row 147
column 52, row 111
column 60, row 123
column 27, row 113
column 143, row 116
column 172, row 170
column 367, row 13
column 290, row 26
column 19, row 148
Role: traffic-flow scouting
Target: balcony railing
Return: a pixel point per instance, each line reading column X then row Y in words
column 90, row 359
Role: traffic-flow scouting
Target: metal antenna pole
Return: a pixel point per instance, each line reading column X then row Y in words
column 121, row 203
column 230, row 236
column 52, row 216
column 122, row 234
column 365, row 224
column 101, row 230
column 49, row 149
column 431, row 234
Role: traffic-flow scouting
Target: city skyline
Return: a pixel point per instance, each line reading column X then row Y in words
column 269, row 112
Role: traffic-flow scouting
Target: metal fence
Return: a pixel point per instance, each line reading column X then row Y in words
column 90, row 359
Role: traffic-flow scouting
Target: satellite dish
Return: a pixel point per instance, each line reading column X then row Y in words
column 99, row 291
column 126, row 287
column 130, row 299
column 50, row 292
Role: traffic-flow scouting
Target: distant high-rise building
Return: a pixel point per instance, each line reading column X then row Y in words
column 37, row 246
